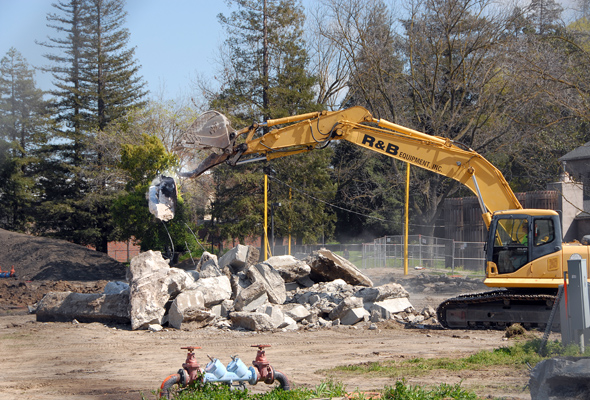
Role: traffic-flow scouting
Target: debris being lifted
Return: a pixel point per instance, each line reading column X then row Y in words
column 162, row 197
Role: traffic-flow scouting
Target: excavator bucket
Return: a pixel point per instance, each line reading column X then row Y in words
column 211, row 130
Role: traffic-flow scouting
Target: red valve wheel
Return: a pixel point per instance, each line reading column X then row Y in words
column 190, row 348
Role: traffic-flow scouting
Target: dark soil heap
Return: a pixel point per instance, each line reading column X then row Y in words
column 41, row 258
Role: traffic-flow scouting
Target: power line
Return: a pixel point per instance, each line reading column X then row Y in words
column 302, row 192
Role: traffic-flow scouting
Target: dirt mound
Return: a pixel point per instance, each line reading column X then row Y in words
column 16, row 294
column 41, row 258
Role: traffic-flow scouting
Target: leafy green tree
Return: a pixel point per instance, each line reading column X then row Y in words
column 143, row 162
column 24, row 122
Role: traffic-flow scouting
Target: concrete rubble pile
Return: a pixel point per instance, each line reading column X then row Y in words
column 239, row 292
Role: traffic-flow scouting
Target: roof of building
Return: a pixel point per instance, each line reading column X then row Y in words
column 579, row 153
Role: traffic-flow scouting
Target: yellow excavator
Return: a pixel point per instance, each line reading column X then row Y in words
column 525, row 256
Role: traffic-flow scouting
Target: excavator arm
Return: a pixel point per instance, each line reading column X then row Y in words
column 313, row 131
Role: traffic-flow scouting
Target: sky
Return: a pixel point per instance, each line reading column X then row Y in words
column 175, row 40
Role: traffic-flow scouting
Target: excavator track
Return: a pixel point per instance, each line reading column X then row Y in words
column 497, row 310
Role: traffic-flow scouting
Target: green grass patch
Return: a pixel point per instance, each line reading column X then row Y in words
column 326, row 390
column 518, row 356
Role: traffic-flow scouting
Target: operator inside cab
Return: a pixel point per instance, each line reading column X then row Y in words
column 512, row 247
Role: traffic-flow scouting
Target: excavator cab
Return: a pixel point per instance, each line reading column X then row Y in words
column 519, row 237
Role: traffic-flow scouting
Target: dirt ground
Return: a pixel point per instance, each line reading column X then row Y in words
column 48, row 361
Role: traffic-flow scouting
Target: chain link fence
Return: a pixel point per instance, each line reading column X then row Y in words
column 445, row 255
column 425, row 252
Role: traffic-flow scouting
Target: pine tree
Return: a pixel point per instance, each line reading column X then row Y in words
column 267, row 78
column 110, row 77
column 23, row 125
column 96, row 82
column 545, row 14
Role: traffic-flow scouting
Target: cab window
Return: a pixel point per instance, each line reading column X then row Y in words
column 511, row 244
column 544, row 232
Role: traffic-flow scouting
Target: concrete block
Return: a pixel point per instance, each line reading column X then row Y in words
column 289, row 267
column 345, row 305
column 214, row 289
column 251, row 297
column 253, row 321
column 272, row 281
column 354, row 315
column 387, row 308
column 296, row 311
column 84, row 307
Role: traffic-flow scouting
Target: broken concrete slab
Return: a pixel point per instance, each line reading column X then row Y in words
column 387, row 308
column 296, row 311
column 289, row 324
column 206, row 259
column 378, row 293
column 344, row 306
column 148, row 289
column 116, row 287
column 208, row 266
column 189, row 299
column 251, row 297
column 240, row 257
column 289, row 267
column 197, row 318
column 238, row 281
column 562, row 378
column 84, row 307
column 277, row 317
column 253, row 321
column 215, row 289
column 272, row 281
column 209, row 271
column 354, row 315
column 327, row 266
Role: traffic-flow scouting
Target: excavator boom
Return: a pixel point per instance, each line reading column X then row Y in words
column 315, row 130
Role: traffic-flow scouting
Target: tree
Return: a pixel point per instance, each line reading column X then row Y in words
column 111, row 83
column 545, row 14
column 265, row 77
column 143, row 161
column 96, row 83
column 24, row 123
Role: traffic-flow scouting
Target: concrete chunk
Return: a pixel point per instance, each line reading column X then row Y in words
column 327, row 266
column 184, row 301
column 289, row 267
column 253, row 321
column 379, row 293
column 272, row 281
column 562, row 378
column 148, row 289
column 296, row 311
column 84, row 307
column 354, row 315
column 240, row 257
column 251, row 297
column 207, row 259
column 344, row 306
column 277, row 317
column 387, row 308
column 215, row 289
